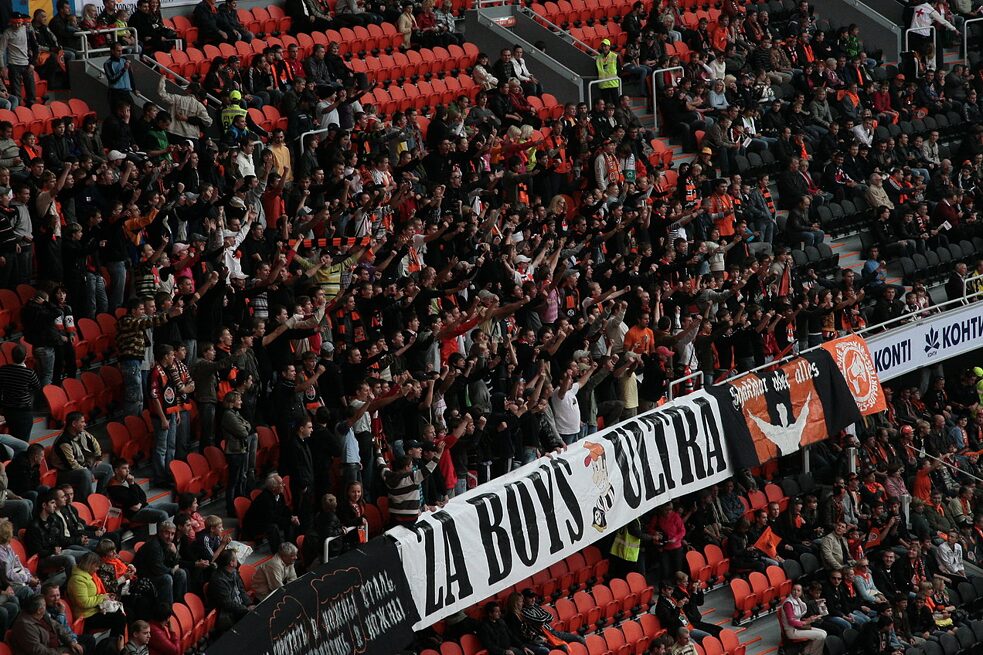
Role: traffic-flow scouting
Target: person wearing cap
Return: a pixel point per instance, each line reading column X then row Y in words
column 404, row 480
column 232, row 109
column 607, row 70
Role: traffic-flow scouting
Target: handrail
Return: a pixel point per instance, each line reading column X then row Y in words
column 86, row 51
column 303, row 137
column 904, row 317
column 590, row 85
column 675, row 383
column 153, row 63
column 655, row 94
column 966, row 36
column 974, row 278
column 557, row 30
column 922, row 453
column 914, row 29
column 491, row 23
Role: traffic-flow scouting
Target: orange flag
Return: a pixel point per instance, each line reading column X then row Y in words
column 853, row 359
column 768, row 542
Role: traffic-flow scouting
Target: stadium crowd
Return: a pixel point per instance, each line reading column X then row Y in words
column 419, row 304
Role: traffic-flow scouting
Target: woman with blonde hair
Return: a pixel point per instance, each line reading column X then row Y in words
column 89, row 599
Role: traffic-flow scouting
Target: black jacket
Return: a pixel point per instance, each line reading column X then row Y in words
column 154, row 559
column 266, row 510
column 39, row 324
column 227, row 594
column 43, row 536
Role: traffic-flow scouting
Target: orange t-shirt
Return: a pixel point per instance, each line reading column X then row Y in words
column 922, row 488
column 635, row 340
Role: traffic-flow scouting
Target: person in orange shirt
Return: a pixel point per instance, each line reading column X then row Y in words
column 721, row 34
column 720, row 206
column 640, row 338
column 922, row 486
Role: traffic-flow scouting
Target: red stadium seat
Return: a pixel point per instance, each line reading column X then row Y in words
column 184, row 480
column 767, row 595
column 76, row 393
column 58, row 405
column 731, row 642
column 698, row 568
column 746, row 602
column 779, row 581
column 719, row 563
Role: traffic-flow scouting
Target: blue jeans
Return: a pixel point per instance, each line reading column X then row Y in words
column 569, row 439
column 13, row 443
column 165, row 439
column 132, row 386
column 812, row 237
column 767, row 229
column 117, row 283
column 44, row 363
column 98, row 301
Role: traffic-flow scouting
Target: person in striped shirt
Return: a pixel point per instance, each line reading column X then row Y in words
column 404, row 480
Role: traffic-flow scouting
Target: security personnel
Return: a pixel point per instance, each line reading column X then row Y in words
column 607, row 70
column 233, row 109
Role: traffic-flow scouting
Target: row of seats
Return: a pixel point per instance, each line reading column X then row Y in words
column 383, row 68
column 629, row 638
column 593, row 36
column 936, row 265
column 350, row 40
column 93, row 394
column 760, row 593
column 422, row 94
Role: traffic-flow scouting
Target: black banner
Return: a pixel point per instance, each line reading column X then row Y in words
column 766, row 415
column 359, row 603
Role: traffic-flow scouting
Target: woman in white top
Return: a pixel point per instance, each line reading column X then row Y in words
column 482, row 73
column 796, row 627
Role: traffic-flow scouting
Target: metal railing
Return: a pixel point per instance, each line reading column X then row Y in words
column 966, row 36
column 557, row 30
column 87, row 52
column 590, row 87
column 655, row 94
column 977, row 287
column 958, row 470
column 907, row 316
column 908, row 31
column 303, row 137
column 153, row 63
column 696, row 376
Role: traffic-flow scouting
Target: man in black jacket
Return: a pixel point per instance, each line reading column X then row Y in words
column 159, row 562
column 791, row 186
column 269, row 516
column 39, row 316
column 227, row 593
column 299, row 463
column 495, row 635
column 45, row 539
column 154, row 35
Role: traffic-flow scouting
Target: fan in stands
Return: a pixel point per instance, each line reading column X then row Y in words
column 347, row 233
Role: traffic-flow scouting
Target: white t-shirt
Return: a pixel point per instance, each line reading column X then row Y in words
column 566, row 410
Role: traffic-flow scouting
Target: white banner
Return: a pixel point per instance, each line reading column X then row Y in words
column 515, row 526
column 927, row 342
